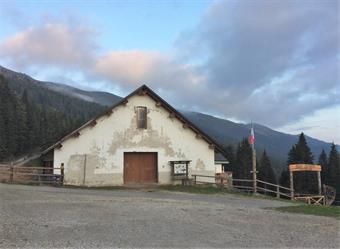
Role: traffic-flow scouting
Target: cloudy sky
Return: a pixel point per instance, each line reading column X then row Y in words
column 273, row 62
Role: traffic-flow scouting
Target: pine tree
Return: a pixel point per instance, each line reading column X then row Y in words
column 32, row 119
column 265, row 169
column 243, row 163
column 324, row 167
column 304, row 182
column 229, row 150
column 284, row 179
column 333, row 178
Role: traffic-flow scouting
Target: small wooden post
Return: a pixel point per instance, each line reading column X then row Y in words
column 291, row 185
column 194, row 179
column 254, row 170
column 186, row 173
column 277, row 191
column 62, row 174
column 319, row 182
column 11, row 176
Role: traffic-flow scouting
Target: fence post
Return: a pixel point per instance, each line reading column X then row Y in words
column 291, row 185
column 194, row 179
column 277, row 191
column 11, row 176
column 62, row 174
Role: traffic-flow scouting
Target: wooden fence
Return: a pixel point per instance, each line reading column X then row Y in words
column 31, row 175
column 267, row 188
column 246, row 185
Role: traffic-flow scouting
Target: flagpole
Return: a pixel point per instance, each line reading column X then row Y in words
column 254, row 160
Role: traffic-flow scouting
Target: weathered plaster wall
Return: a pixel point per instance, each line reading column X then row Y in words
column 99, row 150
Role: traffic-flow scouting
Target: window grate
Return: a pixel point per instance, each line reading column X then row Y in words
column 141, row 117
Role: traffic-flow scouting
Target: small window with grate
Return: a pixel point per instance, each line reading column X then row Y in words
column 141, row 117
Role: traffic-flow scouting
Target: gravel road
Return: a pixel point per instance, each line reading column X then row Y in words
column 47, row 217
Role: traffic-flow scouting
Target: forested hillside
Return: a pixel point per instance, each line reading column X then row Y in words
column 32, row 119
column 61, row 108
column 276, row 144
column 55, row 94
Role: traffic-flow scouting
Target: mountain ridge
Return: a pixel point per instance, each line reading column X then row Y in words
column 225, row 132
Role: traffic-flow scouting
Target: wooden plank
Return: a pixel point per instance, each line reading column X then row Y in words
column 245, row 187
column 28, row 167
column 304, row 167
column 34, row 174
column 267, row 190
column 204, row 176
column 242, row 180
column 274, row 185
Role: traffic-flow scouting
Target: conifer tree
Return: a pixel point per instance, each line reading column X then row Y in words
column 265, row 169
column 324, row 167
column 304, row 182
column 243, row 163
column 229, row 150
column 333, row 178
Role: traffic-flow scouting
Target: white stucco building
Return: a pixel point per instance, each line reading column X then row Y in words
column 134, row 141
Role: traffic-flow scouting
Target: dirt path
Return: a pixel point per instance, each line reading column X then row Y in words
column 35, row 217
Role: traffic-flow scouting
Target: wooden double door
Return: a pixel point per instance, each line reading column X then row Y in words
column 140, row 167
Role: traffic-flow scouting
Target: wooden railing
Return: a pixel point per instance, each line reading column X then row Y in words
column 247, row 185
column 278, row 190
column 33, row 175
column 266, row 188
column 243, row 184
column 196, row 180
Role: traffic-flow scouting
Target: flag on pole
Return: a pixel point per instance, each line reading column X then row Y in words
column 252, row 137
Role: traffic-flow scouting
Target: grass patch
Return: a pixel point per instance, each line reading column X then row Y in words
column 208, row 189
column 329, row 211
column 194, row 189
column 97, row 188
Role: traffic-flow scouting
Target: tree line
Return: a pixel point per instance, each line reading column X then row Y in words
column 26, row 127
column 304, row 182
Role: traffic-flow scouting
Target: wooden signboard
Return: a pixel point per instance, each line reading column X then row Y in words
column 304, row 167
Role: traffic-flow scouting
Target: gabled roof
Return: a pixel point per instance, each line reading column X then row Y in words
column 160, row 102
column 219, row 157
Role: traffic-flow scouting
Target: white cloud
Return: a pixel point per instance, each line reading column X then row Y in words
column 50, row 44
column 128, row 67
column 324, row 123
column 273, row 62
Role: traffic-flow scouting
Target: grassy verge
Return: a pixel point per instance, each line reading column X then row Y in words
column 329, row 211
column 97, row 188
column 194, row 189
column 202, row 189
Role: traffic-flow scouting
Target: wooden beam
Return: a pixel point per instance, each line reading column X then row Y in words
column 291, row 180
column 198, row 136
column 93, row 123
column 319, row 182
column 59, row 146
column 211, row 146
column 158, row 104
column 172, row 115
column 185, row 125
column 77, row 134
column 125, row 102
column 109, row 112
